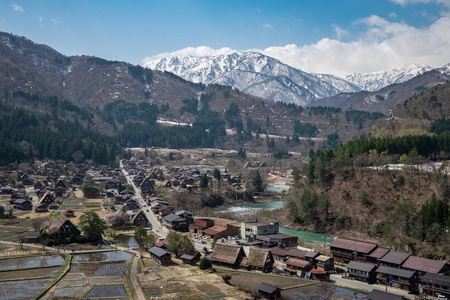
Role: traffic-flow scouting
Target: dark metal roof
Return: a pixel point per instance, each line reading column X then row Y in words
column 379, row 252
column 393, row 257
column 354, row 245
column 395, row 272
column 158, row 251
column 442, row 280
column 424, row 264
column 380, row 295
column 360, row 266
column 266, row 288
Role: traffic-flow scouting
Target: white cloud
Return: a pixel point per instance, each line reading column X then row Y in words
column 339, row 32
column 54, row 21
column 267, row 26
column 382, row 46
column 40, row 19
column 16, row 7
column 406, row 2
column 392, row 15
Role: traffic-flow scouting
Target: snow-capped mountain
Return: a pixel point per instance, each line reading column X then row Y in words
column 256, row 74
column 377, row 80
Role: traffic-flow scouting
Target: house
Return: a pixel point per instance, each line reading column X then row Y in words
column 298, row 267
column 362, row 271
column 393, row 259
column 140, row 219
column 176, row 222
column 147, row 185
column 40, row 208
column 78, row 180
column 399, row 278
column 277, row 240
column 423, row 265
column 69, row 213
column 249, row 230
column 324, row 263
column 296, row 253
column 160, row 256
column 311, row 257
column 38, row 186
column 2, row 212
column 191, row 259
column 22, row 204
column 221, row 230
column 165, row 210
column 27, row 180
column 227, row 255
column 345, row 250
column 380, row 295
column 64, row 226
column 279, row 254
column 131, row 204
column 61, row 185
column 31, row 236
column 267, row 291
column 199, row 225
column 376, row 255
column 46, row 199
column 434, row 284
column 259, row 260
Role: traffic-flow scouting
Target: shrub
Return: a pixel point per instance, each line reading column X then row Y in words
column 205, row 264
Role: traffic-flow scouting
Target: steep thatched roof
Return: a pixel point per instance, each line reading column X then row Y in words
column 227, row 253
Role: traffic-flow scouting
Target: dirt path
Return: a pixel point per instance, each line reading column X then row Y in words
column 135, row 280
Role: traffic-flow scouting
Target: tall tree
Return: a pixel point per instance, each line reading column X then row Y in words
column 92, row 225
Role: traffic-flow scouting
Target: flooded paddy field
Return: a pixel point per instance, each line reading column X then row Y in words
column 100, row 269
column 322, row 291
column 31, row 262
column 107, row 291
column 102, row 256
column 31, row 273
column 23, row 289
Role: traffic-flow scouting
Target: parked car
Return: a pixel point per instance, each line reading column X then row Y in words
column 339, row 270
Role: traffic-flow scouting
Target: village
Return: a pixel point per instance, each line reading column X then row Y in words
column 214, row 257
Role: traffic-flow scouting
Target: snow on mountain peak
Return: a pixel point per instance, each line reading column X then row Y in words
column 256, row 74
column 377, row 80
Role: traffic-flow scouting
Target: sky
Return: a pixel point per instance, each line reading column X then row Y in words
column 320, row 36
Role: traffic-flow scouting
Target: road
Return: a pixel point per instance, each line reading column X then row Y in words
column 156, row 225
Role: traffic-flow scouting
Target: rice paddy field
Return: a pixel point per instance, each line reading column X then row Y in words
column 98, row 275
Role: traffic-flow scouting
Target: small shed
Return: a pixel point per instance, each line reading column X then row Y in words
column 191, row 259
column 267, row 291
column 160, row 256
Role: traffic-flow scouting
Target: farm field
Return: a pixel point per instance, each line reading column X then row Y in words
column 23, row 289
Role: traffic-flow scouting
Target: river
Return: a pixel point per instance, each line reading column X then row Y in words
column 307, row 236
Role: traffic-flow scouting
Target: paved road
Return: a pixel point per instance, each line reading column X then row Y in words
column 355, row 284
column 156, row 225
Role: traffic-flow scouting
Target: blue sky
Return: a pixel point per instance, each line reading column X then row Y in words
column 298, row 32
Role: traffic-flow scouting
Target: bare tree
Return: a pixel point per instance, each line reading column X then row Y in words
column 38, row 223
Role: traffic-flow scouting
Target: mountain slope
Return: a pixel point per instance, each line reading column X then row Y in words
column 256, row 74
column 385, row 99
column 377, row 80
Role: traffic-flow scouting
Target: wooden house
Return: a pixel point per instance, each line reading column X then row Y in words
column 296, row 253
column 227, row 255
column 38, row 185
column 259, row 260
column 393, row 259
column 424, row 265
column 160, row 256
column 376, row 255
column 399, row 278
column 362, row 271
column 434, row 284
column 64, row 226
column 60, row 184
column 267, row 291
column 298, row 267
column 46, row 199
column 345, row 250
column 324, row 263
column 140, row 219
column 22, row 204
column 191, row 259
column 147, row 185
